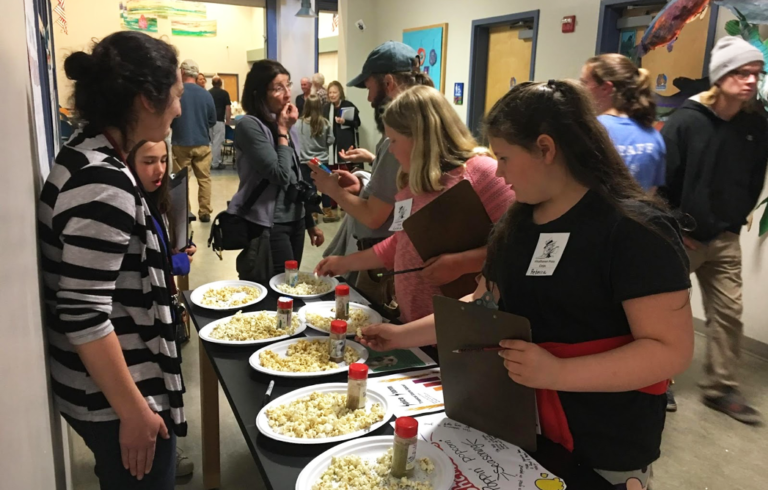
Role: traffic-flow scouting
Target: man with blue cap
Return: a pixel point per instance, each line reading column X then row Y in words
column 389, row 69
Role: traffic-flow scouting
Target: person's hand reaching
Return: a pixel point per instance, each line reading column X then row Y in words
column 381, row 337
column 335, row 265
column 348, row 181
column 316, row 236
column 357, row 155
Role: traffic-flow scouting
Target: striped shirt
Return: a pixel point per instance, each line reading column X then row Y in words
column 104, row 271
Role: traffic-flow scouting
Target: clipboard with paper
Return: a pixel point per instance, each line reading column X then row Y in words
column 477, row 389
column 455, row 221
column 178, row 215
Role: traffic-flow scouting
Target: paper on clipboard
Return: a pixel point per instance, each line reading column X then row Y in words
column 178, row 216
column 347, row 113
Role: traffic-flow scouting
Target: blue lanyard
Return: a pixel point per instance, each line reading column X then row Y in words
column 159, row 230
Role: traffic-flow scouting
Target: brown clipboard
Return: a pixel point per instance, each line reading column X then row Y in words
column 455, row 221
column 476, row 387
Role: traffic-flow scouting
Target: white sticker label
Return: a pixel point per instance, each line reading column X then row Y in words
column 402, row 212
column 548, row 253
column 411, row 461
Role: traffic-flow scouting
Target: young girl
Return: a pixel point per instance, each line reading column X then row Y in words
column 624, row 98
column 316, row 136
column 609, row 308
column 436, row 151
column 149, row 161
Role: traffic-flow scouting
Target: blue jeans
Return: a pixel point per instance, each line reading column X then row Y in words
column 103, row 439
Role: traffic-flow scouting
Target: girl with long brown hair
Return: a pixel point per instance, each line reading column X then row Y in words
column 315, row 136
column 597, row 266
column 623, row 96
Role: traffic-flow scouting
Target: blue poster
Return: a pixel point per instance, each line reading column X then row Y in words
column 428, row 43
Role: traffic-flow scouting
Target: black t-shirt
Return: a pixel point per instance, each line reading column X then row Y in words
column 221, row 101
column 608, row 258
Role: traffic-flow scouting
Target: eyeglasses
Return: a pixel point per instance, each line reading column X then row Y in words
column 744, row 75
column 282, row 89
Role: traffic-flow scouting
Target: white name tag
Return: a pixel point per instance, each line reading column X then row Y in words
column 402, row 212
column 548, row 253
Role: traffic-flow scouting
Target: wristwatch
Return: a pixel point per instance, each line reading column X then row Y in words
column 282, row 136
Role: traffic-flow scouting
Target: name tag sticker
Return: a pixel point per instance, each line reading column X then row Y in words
column 548, row 253
column 402, row 213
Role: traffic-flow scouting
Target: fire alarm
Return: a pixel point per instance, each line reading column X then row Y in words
column 569, row 23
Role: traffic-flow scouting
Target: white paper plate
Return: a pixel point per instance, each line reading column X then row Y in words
column 371, row 448
column 281, row 349
column 280, row 279
column 205, row 332
column 324, row 308
column 372, row 397
column 197, row 294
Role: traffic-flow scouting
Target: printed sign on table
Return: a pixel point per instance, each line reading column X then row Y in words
column 482, row 461
column 414, row 393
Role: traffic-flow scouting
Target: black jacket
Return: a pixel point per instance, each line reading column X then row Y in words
column 344, row 137
column 715, row 168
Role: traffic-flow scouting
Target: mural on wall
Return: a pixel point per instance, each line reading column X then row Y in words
column 166, row 9
column 61, row 16
column 136, row 22
column 193, row 28
column 666, row 26
column 754, row 11
column 431, row 43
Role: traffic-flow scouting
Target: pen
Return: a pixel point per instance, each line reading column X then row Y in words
column 268, row 394
column 493, row 348
column 394, row 273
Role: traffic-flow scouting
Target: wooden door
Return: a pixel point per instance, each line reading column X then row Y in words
column 231, row 83
column 509, row 62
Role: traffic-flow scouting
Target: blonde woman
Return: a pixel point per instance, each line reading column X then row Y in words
column 316, row 136
column 436, row 151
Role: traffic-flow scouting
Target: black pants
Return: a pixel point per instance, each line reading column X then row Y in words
column 103, row 439
column 286, row 241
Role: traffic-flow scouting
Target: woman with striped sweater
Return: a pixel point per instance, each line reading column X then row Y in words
column 115, row 369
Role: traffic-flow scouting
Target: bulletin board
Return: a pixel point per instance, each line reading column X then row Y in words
column 431, row 44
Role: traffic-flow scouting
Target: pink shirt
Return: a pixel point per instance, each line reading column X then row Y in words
column 414, row 294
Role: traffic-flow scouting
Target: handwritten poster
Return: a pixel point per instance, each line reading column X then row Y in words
column 413, row 393
column 484, row 462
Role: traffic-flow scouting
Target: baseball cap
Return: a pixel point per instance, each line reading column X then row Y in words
column 189, row 68
column 390, row 57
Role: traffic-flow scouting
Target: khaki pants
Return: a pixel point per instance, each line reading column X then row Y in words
column 717, row 266
column 199, row 158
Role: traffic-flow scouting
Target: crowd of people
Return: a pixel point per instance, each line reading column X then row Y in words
column 634, row 212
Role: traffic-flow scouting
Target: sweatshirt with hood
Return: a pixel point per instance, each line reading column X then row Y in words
column 715, row 168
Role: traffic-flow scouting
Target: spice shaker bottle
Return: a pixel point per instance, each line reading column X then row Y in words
column 342, row 302
column 404, row 447
column 338, row 340
column 357, row 386
column 291, row 273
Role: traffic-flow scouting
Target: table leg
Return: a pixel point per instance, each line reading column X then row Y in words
column 209, row 405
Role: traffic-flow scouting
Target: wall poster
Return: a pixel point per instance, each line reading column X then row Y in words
column 431, row 44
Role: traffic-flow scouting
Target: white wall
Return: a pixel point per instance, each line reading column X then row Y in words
column 239, row 29
column 296, row 44
column 31, row 454
column 558, row 55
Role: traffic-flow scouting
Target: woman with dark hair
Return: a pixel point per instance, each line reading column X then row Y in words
column 624, row 98
column 598, row 268
column 115, row 368
column 268, row 166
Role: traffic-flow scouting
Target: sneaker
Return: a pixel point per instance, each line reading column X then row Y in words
column 733, row 404
column 671, row 403
column 205, row 218
column 184, row 465
column 329, row 216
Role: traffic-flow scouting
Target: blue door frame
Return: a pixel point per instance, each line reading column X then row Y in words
column 478, row 61
column 608, row 35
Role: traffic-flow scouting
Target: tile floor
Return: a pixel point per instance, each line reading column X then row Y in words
column 702, row 449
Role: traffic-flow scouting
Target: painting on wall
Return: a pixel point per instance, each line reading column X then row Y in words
column 139, row 22
column 193, row 28
column 431, row 44
column 166, row 8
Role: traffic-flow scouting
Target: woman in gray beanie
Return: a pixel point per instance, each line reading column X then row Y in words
column 717, row 150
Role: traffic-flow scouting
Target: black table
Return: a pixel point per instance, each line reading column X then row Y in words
column 280, row 463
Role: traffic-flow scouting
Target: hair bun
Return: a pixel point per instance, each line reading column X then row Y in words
column 78, row 65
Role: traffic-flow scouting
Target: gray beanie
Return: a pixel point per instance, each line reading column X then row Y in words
column 730, row 53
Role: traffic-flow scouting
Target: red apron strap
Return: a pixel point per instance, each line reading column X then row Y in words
column 554, row 424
